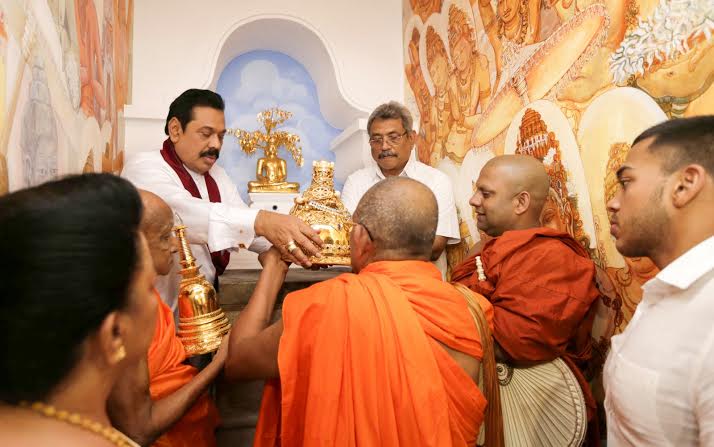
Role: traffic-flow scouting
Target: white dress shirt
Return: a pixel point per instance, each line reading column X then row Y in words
column 209, row 226
column 448, row 225
column 659, row 375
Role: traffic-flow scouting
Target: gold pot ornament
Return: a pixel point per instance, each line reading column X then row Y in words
column 321, row 208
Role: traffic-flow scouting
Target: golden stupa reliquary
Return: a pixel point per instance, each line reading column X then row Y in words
column 321, row 208
column 202, row 323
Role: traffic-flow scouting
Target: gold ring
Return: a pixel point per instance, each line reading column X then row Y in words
column 291, row 246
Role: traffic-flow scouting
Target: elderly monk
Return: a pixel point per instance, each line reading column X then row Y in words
column 383, row 356
column 541, row 282
column 166, row 402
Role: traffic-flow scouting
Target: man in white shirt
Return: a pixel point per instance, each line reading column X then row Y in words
column 659, row 375
column 184, row 174
column 391, row 139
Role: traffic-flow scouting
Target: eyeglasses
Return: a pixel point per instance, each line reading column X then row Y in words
column 392, row 139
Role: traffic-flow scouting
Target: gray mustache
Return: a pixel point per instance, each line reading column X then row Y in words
column 387, row 154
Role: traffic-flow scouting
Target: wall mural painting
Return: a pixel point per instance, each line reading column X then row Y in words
column 570, row 83
column 64, row 81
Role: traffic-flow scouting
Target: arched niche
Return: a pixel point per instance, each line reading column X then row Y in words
column 304, row 43
column 299, row 40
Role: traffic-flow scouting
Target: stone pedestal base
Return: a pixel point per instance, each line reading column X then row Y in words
column 272, row 201
column 239, row 402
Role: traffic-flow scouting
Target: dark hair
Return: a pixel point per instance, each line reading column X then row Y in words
column 68, row 251
column 182, row 107
column 683, row 141
column 391, row 111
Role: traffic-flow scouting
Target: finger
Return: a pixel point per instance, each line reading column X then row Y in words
column 283, row 251
column 307, row 245
column 311, row 233
column 289, row 258
column 301, row 258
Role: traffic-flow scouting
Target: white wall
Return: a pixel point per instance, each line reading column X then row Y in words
column 181, row 44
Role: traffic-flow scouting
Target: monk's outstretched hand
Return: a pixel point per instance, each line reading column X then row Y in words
column 295, row 239
column 273, row 258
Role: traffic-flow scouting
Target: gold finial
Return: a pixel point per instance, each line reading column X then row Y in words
column 202, row 323
column 271, row 171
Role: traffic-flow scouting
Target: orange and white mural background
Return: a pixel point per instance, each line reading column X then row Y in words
column 570, row 82
column 64, row 81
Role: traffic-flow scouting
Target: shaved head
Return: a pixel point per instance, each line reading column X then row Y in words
column 523, row 173
column 157, row 223
column 400, row 215
column 510, row 194
column 156, row 211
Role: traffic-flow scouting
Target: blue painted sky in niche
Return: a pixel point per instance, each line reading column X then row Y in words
column 255, row 81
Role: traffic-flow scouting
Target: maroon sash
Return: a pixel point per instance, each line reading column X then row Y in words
column 220, row 258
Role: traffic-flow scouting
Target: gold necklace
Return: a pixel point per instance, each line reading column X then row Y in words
column 111, row 434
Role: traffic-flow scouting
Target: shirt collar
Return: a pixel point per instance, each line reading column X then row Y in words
column 692, row 265
column 408, row 170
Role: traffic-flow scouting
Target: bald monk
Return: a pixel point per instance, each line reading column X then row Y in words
column 166, row 402
column 383, row 356
column 541, row 282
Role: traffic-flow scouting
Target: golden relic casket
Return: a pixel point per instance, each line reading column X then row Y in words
column 321, row 208
column 202, row 323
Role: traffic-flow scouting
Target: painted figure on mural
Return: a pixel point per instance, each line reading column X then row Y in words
column 425, row 8
column 515, row 23
column 625, row 283
column 415, row 76
column 63, row 13
column 107, row 76
column 675, row 64
column 469, row 83
column 38, row 138
column 595, row 75
column 440, row 117
column 124, row 17
column 122, row 43
column 93, row 94
column 560, row 212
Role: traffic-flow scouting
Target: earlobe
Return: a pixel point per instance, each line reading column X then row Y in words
column 523, row 202
column 174, row 129
column 111, row 340
column 689, row 183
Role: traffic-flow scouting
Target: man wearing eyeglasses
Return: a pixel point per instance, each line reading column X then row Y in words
column 391, row 139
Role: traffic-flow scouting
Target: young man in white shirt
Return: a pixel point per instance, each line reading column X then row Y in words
column 185, row 175
column 391, row 139
column 659, row 375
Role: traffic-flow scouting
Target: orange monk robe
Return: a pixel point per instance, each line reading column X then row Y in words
column 541, row 284
column 361, row 364
column 168, row 373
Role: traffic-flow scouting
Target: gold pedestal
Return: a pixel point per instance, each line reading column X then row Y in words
column 202, row 323
column 280, row 187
